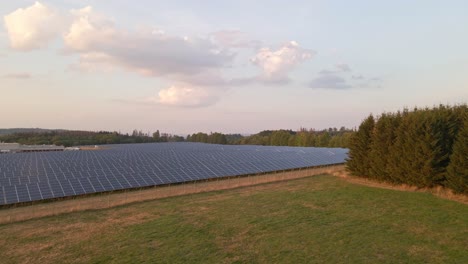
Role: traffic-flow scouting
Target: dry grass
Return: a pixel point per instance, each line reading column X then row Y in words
column 438, row 191
column 117, row 199
column 68, row 233
column 93, row 147
column 320, row 219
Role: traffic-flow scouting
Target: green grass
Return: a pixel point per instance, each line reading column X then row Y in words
column 321, row 219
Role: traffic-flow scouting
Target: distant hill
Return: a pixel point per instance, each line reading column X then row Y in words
column 9, row 131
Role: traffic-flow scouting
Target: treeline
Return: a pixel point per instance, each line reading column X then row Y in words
column 80, row 138
column 213, row 138
column 423, row 147
column 8, row 131
column 331, row 137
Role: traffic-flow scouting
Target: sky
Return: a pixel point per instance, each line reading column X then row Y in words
column 226, row 66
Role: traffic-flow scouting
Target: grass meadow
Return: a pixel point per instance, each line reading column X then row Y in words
column 319, row 219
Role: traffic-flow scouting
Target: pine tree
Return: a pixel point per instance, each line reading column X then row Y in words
column 382, row 140
column 426, row 155
column 457, row 170
column 358, row 162
column 398, row 162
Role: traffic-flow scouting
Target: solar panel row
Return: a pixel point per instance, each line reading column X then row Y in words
column 26, row 177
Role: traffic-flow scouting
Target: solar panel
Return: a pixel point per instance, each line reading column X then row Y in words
column 26, row 177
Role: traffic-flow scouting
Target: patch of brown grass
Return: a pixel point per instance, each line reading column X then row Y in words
column 67, row 233
column 438, row 191
column 424, row 252
column 93, row 148
column 117, row 199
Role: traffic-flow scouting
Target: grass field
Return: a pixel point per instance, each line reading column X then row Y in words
column 321, row 219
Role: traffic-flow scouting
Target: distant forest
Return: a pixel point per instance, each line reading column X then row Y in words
column 331, row 137
column 8, row 131
column 422, row 147
column 69, row 138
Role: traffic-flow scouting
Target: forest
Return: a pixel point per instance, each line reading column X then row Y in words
column 69, row 138
column 331, row 137
column 420, row 147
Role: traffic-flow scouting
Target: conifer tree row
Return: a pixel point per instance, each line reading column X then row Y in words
column 457, row 170
column 422, row 147
column 359, row 148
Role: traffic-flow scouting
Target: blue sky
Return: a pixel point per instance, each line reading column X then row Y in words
column 238, row 66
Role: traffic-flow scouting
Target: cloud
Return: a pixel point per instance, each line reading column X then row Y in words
column 343, row 67
column 33, row 27
column 339, row 79
column 357, row 77
column 151, row 53
column 234, row 39
column 186, row 95
column 277, row 64
column 20, row 76
column 89, row 31
column 210, row 77
column 195, row 65
column 93, row 62
column 329, row 80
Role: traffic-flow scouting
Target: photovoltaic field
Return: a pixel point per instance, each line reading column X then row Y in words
column 26, row 177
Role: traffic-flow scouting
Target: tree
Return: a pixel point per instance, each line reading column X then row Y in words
column 217, row 138
column 358, row 162
column 156, row 136
column 382, row 141
column 301, row 138
column 324, row 139
column 425, row 155
column 457, row 170
column 279, row 138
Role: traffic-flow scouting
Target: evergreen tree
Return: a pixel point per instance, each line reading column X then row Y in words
column 426, row 155
column 398, row 163
column 358, row 162
column 457, row 170
column 382, row 140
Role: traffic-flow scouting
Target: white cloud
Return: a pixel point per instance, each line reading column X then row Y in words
column 33, row 27
column 277, row 64
column 185, row 95
column 195, row 64
column 89, row 30
column 152, row 52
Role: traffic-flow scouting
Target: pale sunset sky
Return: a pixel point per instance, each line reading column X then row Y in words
column 227, row 66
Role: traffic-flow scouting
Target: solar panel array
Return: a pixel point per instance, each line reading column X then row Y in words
column 26, row 177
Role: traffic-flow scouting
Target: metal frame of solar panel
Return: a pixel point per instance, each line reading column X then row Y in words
column 27, row 177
